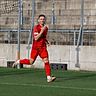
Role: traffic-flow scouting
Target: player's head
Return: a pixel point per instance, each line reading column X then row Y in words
column 42, row 19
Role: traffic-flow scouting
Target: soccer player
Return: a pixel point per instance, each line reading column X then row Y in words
column 39, row 47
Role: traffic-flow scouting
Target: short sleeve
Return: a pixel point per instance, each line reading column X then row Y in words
column 35, row 31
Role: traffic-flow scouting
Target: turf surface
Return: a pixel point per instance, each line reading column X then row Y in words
column 32, row 82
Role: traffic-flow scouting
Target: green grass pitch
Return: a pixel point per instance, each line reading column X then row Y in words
column 32, row 82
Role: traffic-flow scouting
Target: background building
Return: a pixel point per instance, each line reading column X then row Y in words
column 72, row 26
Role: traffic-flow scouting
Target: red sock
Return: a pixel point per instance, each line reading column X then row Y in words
column 47, row 69
column 25, row 61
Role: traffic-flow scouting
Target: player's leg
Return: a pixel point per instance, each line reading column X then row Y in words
column 23, row 61
column 48, row 70
column 44, row 55
column 30, row 61
column 47, row 66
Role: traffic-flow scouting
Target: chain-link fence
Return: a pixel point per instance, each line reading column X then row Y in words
column 63, row 18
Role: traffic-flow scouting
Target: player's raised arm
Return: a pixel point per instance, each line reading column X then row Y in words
column 38, row 35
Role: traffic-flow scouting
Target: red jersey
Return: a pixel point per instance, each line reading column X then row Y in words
column 41, row 42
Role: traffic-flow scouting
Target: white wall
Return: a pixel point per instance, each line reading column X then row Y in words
column 57, row 54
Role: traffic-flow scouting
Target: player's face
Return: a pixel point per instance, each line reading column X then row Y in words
column 42, row 20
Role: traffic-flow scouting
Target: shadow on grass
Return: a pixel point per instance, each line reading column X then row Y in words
column 11, row 71
column 74, row 77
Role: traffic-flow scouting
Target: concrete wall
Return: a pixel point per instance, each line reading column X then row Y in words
column 57, row 54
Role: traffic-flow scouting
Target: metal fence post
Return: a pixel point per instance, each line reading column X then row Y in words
column 80, row 36
column 19, row 30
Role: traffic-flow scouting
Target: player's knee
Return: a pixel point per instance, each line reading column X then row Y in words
column 31, row 61
column 45, row 60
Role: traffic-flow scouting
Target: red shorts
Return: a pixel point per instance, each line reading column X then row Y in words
column 42, row 52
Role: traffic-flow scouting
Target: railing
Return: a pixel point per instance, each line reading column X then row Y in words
column 67, row 20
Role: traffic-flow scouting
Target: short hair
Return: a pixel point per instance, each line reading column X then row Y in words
column 41, row 15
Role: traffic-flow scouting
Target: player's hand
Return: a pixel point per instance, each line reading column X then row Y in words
column 44, row 27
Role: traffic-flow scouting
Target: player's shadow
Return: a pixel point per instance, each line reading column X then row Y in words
column 82, row 76
column 17, row 72
column 12, row 73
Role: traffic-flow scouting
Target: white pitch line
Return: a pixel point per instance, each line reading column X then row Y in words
column 51, row 86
